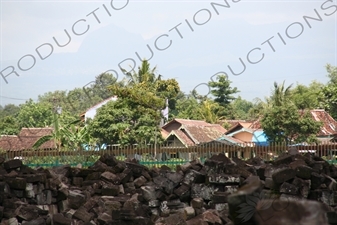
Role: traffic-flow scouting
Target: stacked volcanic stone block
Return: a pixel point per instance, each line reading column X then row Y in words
column 293, row 189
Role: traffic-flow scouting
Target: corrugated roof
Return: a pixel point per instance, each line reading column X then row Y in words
column 329, row 126
column 231, row 139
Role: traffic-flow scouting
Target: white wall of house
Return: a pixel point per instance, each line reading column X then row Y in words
column 92, row 111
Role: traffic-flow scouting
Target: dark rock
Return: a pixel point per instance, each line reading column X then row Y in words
column 38, row 221
column 194, row 177
column 59, row 219
column 332, row 218
column 300, row 212
column 110, row 190
column 140, row 181
column 290, row 189
column 304, row 172
column 285, row 159
column 222, row 178
column 82, row 214
column 12, row 164
column 109, row 160
column 17, row 183
column 316, row 180
column 246, row 195
column 76, row 199
column 104, row 219
column 283, row 175
column 219, row 197
column 184, row 192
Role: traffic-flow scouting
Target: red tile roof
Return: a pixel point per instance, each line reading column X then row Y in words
column 182, row 136
column 17, row 143
column 186, row 122
column 39, row 131
column 26, row 139
column 193, row 132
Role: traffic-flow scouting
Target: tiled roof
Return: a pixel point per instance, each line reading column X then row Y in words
column 182, row 136
column 195, row 131
column 239, row 124
column 187, row 122
column 29, row 132
column 203, row 134
column 17, row 143
column 329, row 126
column 164, row 133
column 26, row 139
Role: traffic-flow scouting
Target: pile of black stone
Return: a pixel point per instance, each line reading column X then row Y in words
column 294, row 189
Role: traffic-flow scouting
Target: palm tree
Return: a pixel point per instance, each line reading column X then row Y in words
column 280, row 94
column 208, row 110
column 144, row 75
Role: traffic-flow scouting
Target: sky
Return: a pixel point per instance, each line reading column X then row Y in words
column 60, row 45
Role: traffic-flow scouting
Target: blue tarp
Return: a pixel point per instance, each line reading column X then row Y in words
column 259, row 138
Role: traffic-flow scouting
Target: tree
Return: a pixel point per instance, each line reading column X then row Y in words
column 332, row 73
column 223, row 95
column 241, row 108
column 285, row 123
column 144, row 75
column 222, row 91
column 258, row 109
column 135, row 117
column 9, row 110
column 307, row 97
column 208, row 111
column 34, row 114
column 9, row 126
column 329, row 92
column 186, row 107
column 119, row 122
column 280, row 95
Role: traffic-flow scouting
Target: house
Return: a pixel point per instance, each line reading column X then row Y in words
column 253, row 132
column 186, row 133
column 328, row 131
column 91, row 112
column 26, row 139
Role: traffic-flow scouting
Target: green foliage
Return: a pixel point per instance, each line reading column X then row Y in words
column 34, row 114
column 9, row 125
column 282, row 120
column 307, row 97
column 329, row 92
column 241, row 108
column 9, row 110
column 280, row 95
column 125, row 122
column 187, row 107
column 222, row 91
